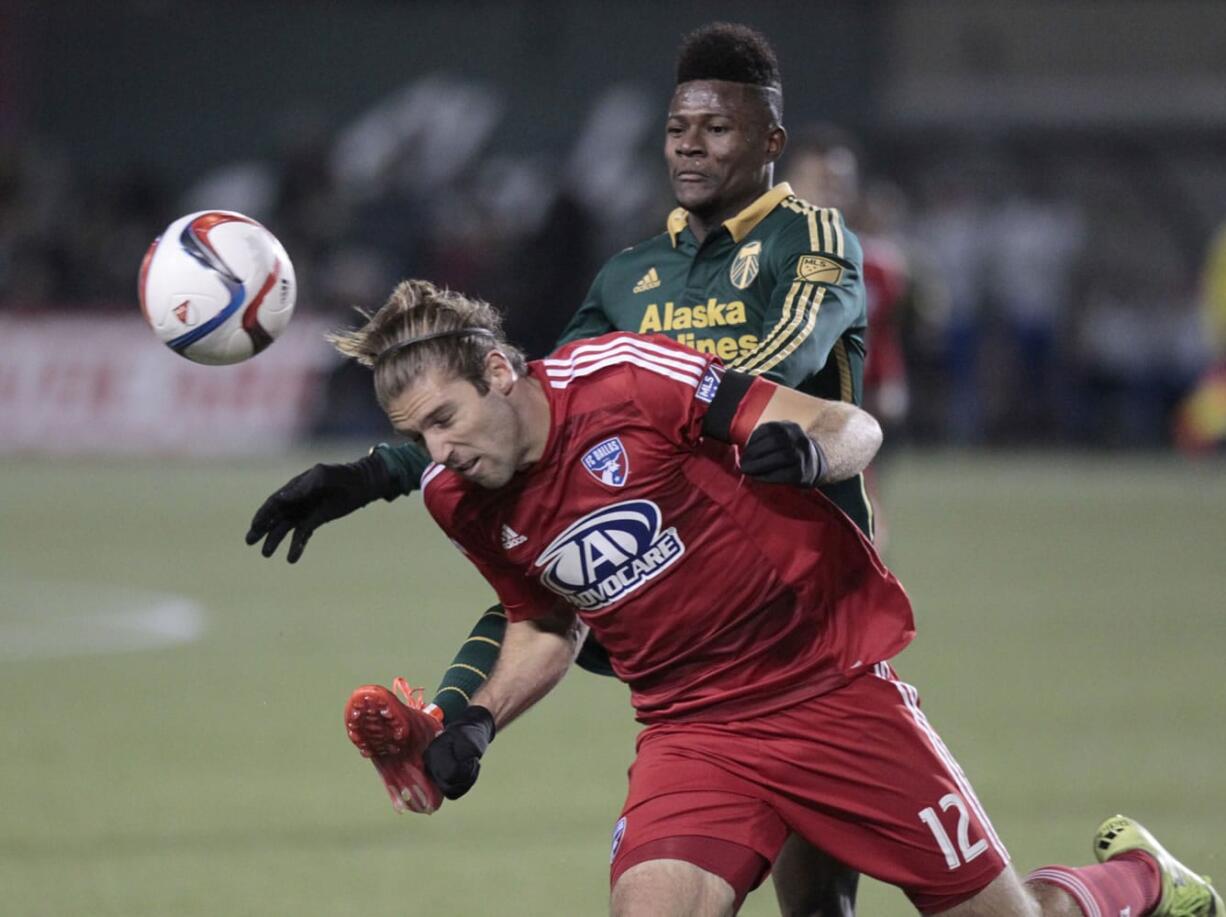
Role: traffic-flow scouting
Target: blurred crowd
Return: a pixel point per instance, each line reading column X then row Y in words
column 1053, row 293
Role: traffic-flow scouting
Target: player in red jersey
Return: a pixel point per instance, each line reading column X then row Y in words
column 632, row 486
column 740, row 261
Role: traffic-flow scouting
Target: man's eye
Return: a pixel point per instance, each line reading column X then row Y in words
column 718, row 129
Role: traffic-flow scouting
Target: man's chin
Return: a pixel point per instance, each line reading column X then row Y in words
column 697, row 200
column 491, row 480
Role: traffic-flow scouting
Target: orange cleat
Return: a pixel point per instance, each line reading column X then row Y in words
column 393, row 732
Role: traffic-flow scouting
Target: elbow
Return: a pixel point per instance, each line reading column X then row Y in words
column 864, row 437
column 849, row 448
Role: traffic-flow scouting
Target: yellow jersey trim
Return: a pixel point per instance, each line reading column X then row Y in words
column 468, row 668
column 829, row 238
column 810, row 311
column 868, row 506
column 483, row 640
column 744, row 222
column 844, row 364
column 796, row 323
column 676, row 223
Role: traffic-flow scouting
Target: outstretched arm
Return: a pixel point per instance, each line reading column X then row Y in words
column 327, row 492
column 535, row 656
column 318, row 495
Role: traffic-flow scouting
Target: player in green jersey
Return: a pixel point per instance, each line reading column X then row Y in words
column 746, row 271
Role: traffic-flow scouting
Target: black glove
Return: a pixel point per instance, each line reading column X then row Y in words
column 453, row 759
column 316, row 496
column 782, row 453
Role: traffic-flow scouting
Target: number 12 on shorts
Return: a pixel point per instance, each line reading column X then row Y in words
column 968, row 850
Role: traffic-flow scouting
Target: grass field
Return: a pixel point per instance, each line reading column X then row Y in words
column 1072, row 616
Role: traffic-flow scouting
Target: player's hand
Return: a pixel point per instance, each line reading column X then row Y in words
column 782, row 453
column 316, row 496
column 453, row 759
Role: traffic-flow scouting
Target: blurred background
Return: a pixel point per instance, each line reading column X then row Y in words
column 1043, row 185
column 1050, row 174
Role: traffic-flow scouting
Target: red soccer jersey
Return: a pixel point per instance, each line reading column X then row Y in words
column 716, row 596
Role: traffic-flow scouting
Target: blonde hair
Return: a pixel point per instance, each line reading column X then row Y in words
column 423, row 326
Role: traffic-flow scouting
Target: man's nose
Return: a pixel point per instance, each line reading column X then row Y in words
column 689, row 144
column 440, row 450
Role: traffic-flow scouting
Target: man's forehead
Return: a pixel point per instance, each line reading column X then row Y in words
column 710, row 97
column 429, row 391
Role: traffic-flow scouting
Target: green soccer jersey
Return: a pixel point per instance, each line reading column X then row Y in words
column 775, row 291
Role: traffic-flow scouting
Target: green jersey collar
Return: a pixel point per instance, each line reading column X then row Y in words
column 743, row 223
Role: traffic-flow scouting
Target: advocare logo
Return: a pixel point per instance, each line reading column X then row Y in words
column 608, row 554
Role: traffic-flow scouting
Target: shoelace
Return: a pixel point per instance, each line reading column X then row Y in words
column 409, row 696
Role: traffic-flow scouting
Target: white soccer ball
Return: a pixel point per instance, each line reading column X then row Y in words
column 217, row 287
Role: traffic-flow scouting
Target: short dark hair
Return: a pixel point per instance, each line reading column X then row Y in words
column 728, row 51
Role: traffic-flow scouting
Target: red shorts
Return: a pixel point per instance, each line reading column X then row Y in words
column 857, row 772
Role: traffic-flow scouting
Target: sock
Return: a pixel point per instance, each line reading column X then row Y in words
column 1128, row 884
column 472, row 664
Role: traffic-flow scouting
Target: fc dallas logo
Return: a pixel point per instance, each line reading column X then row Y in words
column 608, row 462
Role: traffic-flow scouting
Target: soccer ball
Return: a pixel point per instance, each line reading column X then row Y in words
column 217, row 287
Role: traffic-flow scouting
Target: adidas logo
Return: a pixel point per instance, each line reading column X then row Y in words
column 649, row 281
column 511, row 538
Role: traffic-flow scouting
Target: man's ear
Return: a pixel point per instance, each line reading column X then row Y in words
column 499, row 373
column 776, row 140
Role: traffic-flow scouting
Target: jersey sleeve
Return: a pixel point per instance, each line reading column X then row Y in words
column 406, row 462
column 736, row 406
column 818, row 296
column 590, row 320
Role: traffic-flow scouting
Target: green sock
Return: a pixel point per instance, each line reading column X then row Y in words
column 472, row 664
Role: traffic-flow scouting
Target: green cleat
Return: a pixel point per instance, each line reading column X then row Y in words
column 1184, row 893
